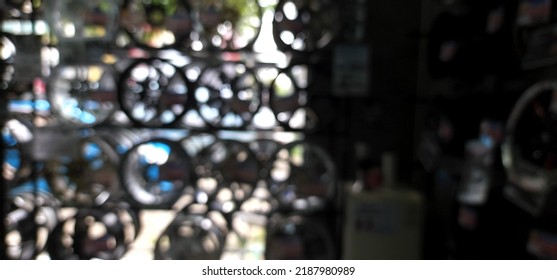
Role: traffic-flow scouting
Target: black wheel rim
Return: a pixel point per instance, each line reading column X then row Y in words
column 154, row 93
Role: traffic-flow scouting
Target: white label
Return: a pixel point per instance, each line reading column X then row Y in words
column 383, row 218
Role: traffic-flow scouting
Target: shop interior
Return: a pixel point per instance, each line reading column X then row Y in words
column 278, row 129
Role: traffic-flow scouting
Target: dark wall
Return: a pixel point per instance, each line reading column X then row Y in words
column 383, row 119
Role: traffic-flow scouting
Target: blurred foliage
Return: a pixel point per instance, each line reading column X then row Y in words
column 231, row 10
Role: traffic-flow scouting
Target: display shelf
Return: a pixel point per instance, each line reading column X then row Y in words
column 87, row 136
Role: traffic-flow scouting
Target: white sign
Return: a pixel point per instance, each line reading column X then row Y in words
column 350, row 71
